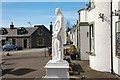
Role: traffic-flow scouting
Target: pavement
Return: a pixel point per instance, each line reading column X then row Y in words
column 29, row 65
column 89, row 74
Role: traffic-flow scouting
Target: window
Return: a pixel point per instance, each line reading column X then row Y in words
column 13, row 41
column 3, row 31
column 21, row 31
column 118, row 38
column 3, row 42
column 119, row 9
column 40, row 41
column 40, row 31
column 91, row 5
column 91, row 37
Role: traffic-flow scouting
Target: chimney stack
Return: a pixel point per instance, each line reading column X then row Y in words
column 11, row 26
column 51, row 27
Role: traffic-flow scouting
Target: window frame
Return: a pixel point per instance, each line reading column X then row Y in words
column 116, row 31
column 40, row 31
column 92, row 35
column 91, row 5
column 40, row 41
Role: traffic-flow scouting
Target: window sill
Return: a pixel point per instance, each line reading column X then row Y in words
column 91, row 53
column 118, row 57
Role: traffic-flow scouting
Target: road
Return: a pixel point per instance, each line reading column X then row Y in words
column 29, row 65
column 24, row 64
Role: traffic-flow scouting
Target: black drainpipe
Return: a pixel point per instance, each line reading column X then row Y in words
column 111, row 41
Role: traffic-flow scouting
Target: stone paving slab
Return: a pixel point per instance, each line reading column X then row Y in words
column 91, row 74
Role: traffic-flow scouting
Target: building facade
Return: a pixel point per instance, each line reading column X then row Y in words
column 83, row 35
column 103, row 29
column 28, row 37
column 116, row 41
column 73, row 35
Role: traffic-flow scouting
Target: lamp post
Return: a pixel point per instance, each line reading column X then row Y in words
column 101, row 16
column 29, row 24
column 116, row 13
column 30, row 35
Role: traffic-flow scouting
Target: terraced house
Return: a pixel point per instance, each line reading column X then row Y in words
column 99, row 35
column 28, row 37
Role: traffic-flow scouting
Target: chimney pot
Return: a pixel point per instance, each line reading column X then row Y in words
column 51, row 27
column 11, row 26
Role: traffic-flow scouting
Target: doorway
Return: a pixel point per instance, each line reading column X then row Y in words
column 25, row 43
column 13, row 41
column 3, row 42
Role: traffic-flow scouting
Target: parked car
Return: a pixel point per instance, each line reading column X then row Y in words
column 9, row 47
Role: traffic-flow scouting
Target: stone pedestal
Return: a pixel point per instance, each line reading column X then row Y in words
column 57, row 70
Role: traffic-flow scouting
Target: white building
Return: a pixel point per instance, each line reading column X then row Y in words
column 104, row 53
column 100, row 36
column 83, row 37
column 73, row 35
column 116, row 31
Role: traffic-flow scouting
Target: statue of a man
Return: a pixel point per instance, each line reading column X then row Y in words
column 58, row 38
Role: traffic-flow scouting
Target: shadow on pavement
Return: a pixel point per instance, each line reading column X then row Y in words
column 21, row 71
column 17, row 72
column 75, row 69
column 78, row 66
column 6, row 71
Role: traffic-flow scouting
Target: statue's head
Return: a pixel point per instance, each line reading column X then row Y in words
column 57, row 11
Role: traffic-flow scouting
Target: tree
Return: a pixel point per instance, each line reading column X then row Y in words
column 68, row 26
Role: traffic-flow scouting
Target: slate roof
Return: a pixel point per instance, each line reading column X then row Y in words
column 13, row 32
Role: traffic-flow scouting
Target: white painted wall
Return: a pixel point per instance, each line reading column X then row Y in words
column 83, row 16
column 118, row 67
column 116, row 61
column 75, row 38
column 101, row 61
column 84, row 45
column 73, row 35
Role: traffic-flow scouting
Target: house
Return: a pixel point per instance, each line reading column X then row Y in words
column 73, row 35
column 83, row 34
column 28, row 37
column 100, row 22
column 116, row 37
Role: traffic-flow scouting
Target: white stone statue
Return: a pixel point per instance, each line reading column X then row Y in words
column 58, row 38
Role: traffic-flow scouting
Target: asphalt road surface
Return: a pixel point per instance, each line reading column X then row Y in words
column 27, row 63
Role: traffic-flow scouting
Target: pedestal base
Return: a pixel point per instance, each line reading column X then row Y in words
column 57, row 70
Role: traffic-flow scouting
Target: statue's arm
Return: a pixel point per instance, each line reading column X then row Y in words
column 60, row 26
column 56, row 21
column 54, row 33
